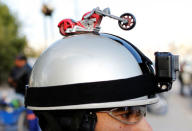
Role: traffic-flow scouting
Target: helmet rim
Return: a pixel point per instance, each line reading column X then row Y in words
column 132, row 102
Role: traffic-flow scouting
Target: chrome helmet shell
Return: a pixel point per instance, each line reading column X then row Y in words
column 86, row 58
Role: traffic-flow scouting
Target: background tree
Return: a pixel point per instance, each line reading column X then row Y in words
column 11, row 42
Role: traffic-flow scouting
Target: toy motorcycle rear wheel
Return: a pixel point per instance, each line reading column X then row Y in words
column 131, row 21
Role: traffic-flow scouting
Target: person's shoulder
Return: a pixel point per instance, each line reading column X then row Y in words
column 28, row 67
column 13, row 69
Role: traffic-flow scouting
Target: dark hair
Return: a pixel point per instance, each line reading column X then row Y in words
column 67, row 120
column 21, row 57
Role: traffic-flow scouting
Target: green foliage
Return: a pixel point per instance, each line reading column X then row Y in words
column 11, row 43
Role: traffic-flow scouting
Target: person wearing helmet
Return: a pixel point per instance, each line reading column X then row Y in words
column 92, row 82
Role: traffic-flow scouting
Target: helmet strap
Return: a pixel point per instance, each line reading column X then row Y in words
column 89, row 121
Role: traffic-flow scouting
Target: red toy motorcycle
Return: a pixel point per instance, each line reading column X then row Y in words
column 91, row 21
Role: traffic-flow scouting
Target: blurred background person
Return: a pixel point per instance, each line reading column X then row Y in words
column 185, row 78
column 181, row 79
column 18, row 79
column 19, row 75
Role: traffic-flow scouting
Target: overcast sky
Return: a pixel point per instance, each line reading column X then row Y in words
column 159, row 22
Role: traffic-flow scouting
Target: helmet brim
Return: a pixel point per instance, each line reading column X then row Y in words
column 133, row 102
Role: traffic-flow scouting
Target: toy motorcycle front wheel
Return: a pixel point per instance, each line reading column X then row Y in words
column 131, row 21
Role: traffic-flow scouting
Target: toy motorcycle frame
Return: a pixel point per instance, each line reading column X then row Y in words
column 91, row 22
column 126, row 21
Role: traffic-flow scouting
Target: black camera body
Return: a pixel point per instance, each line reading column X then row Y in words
column 166, row 66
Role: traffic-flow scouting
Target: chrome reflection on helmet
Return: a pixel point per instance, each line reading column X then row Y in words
column 89, row 71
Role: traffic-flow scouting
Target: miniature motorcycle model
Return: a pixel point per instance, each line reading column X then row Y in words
column 91, row 20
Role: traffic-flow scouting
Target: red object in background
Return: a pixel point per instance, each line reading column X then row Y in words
column 94, row 15
column 68, row 23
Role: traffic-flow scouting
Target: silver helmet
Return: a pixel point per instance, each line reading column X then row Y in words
column 89, row 71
